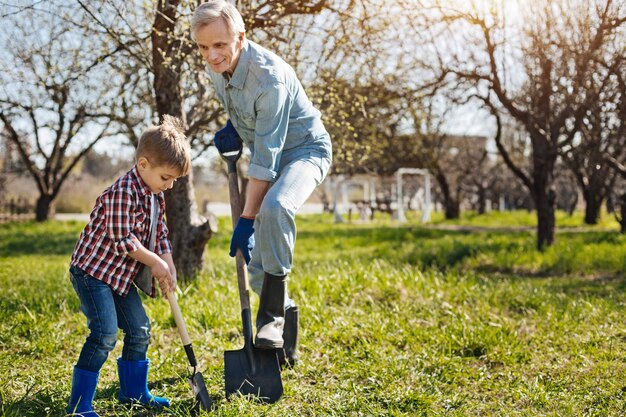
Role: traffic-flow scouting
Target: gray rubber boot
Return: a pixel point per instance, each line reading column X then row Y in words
column 270, row 318
column 289, row 354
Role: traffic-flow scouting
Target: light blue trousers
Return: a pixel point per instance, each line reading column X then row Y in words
column 275, row 225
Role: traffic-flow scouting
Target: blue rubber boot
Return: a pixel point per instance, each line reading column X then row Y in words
column 83, row 390
column 134, row 384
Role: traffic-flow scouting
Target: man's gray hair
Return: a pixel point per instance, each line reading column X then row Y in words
column 215, row 9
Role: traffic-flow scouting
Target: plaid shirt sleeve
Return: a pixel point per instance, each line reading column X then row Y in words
column 163, row 244
column 120, row 213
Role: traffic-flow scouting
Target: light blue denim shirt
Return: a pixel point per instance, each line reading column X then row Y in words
column 271, row 112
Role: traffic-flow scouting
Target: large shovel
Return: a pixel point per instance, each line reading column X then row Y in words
column 248, row 371
column 196, row 380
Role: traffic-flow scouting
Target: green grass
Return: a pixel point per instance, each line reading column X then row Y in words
column 522, row 218
column 399, row 320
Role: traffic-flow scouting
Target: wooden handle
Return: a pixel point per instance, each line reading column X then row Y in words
column 178, row 318
column 235, row 200
column 235, row 213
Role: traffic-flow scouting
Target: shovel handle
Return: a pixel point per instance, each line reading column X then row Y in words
column 182, row 329
column 235, row 213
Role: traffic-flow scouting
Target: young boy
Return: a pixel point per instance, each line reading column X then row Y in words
column 125, row 242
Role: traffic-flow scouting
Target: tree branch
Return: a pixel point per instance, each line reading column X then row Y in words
column 505, row 154
column 30, row 165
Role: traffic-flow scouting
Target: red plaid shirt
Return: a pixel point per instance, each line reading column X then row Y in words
column 121, row 214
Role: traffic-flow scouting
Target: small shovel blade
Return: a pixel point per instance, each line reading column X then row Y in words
column 200, row 392
column 261, row 378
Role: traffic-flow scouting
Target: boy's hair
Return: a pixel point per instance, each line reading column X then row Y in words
column 217, row 9
column 166, row 145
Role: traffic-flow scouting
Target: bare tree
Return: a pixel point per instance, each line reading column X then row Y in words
column 602, row 131
column 594, row 177
column 55, row 86
column 619, row 196
column 556, row 50
column 567, row 189
column 454, row 160
column 615, row 129
column 363, row 120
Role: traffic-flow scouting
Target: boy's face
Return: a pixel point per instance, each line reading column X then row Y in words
column 158, row 177
column 218, row 46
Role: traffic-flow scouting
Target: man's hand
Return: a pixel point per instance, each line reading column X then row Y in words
column 243, row 238
column 227, row 139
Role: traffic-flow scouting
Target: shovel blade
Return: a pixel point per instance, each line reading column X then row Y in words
column 200, row 392
column 261, row 378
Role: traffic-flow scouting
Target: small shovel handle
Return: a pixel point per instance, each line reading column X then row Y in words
column 182, row 328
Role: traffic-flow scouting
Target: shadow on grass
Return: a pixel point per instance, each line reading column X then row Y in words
column 604, row 286
column 51, row 403
column 52, row 238
column 485, row 251
column 426, row 247
column 44, row 402
column 382, row 234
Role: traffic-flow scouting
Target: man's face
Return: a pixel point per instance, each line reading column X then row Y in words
column 218, row 46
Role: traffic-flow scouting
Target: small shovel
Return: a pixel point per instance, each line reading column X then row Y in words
column 248, row 371
column 196, row 380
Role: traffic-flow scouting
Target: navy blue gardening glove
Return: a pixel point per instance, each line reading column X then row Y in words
column 227, row 139
column 243, row 238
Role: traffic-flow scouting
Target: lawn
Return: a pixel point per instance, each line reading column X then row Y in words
column 399, row 320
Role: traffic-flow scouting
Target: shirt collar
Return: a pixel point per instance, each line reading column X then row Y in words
column 143, row 187
column 241, row 71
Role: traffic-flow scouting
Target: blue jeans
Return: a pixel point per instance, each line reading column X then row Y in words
column 106, row 311
column 275, row 225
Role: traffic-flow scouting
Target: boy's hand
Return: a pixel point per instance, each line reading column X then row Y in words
column 161, row 271
column 174, row 278
column 161, row 266
column 167, row 258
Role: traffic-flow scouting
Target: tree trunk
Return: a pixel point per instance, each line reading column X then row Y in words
column 622, row 219
column 597, row 188
column 542, row 189
column 545, row 202
column 482, row 200
column 44, row 209
column 452, row 209
column 593, row 204
column 451, row 205
column 610, row 205
column 572, row 206
column 188, row 231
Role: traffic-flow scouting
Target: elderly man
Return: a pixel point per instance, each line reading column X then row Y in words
column 290, row 154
